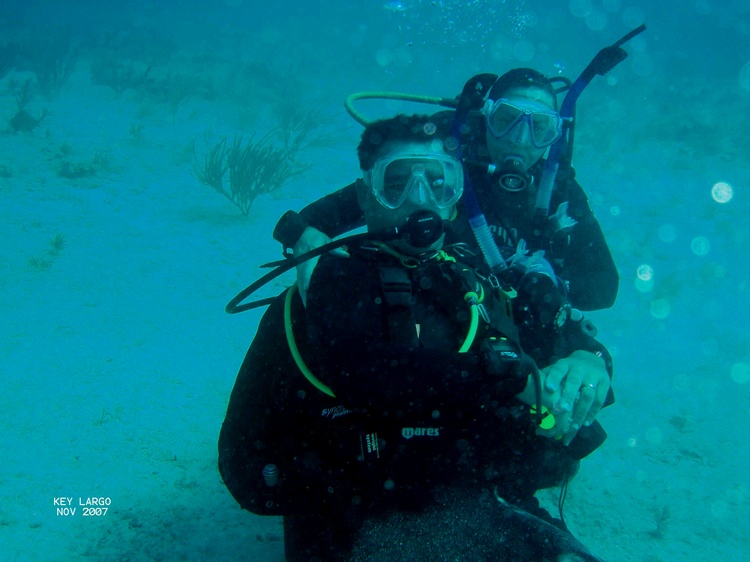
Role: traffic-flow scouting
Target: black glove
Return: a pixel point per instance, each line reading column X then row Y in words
column 289, row 229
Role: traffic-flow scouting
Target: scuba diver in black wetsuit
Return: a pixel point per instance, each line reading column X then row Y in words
column 423, row 374
column 503, row 126
column 505, row 138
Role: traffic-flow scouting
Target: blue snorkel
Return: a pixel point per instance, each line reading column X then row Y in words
column 604, row 61
column 471, row 96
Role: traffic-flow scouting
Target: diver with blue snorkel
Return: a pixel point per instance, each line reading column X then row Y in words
column 409, row 375
column 516, row 202
column 504, row 127
column 265, row 471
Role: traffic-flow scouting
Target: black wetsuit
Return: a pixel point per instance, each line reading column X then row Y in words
column 410, row 414
column 579, row 255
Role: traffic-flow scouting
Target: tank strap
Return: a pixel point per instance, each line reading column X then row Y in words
column 396, row 286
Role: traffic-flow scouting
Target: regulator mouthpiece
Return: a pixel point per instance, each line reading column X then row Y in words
column 422, row 229
column 512, row 175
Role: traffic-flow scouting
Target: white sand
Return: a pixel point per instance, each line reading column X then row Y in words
column 117, row 359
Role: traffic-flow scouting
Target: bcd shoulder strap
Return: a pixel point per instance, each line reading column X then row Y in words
column 399, row 317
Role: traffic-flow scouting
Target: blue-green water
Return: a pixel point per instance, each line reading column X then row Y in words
column 115, row 354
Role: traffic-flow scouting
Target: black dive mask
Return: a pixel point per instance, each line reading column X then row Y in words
column 512, row 175
column 422, row 229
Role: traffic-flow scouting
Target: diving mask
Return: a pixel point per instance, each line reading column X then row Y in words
column 544, row 124
column 419, row 177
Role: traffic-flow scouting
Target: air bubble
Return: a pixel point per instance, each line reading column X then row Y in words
column 660, row 309
column 700, row 246
column 722, row 192
column 667, row 233
column 580, row 8
column 644, row 286
column 645, row 272
column 451, row 144
column 740, row 373
column 384, row 57
column 596, row 20
column 524, row 50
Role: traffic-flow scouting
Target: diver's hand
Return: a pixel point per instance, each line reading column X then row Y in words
column 550, row 395
column 311, row 238
column 583, row 382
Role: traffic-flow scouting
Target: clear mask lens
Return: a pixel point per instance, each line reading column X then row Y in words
column 395, row 180
column 544, row 125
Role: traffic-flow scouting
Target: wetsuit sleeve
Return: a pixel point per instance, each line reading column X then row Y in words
column 536, row 312
column 366, row 369
column 268, row 423
column 251, row 427
column 589, row 268
column 334, row 215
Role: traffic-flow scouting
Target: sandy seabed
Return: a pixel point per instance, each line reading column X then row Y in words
column 117, row 361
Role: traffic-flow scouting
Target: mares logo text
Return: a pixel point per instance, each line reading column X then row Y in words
column 409, row 432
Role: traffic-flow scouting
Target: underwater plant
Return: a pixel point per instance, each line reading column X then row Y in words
column 660, row 517
column 119, row 74
column 7, row 58
column 75, row 170
column 40, row 263
column 136, row 132
column 23, row 121
column 214, row 166
column 52, row 57
column 174, row 89
column 254, row 169
column 681, row 423
column 44, row 261
column 301, row 128
column 57, row 244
